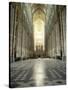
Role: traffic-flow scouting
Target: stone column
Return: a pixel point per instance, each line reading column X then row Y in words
column 64, row 31
column 13, row 34
column 52, row 43
column 11, row 30
column 57, row 40
column 49, row 46
column 19, row 37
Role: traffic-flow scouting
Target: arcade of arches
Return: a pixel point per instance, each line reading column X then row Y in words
column 37, row 30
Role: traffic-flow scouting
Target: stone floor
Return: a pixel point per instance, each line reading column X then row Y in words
column 38, row 72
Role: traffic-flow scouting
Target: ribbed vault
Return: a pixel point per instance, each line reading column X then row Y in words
column 38, row 24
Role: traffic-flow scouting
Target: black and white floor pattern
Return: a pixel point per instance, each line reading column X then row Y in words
column 38, row 72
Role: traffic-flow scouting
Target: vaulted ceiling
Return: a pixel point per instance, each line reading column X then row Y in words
column 38, row 11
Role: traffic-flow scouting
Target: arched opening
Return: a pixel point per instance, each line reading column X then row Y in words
column 39, row 34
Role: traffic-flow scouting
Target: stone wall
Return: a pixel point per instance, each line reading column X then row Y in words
column 56, row 33
column 21, row 33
